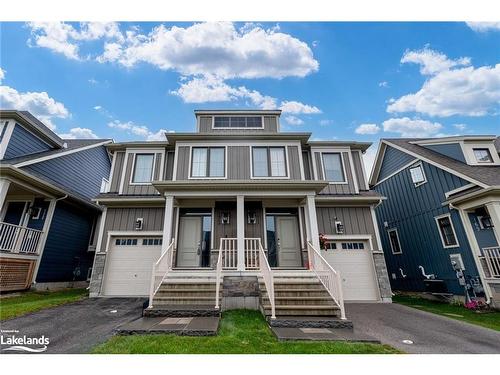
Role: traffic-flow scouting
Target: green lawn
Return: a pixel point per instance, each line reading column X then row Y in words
column 27, row 302
column 240, row 332
column 488, row 320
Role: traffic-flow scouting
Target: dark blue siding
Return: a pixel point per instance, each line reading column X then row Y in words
column 22, row 142
column 393, row 160
column 412, row 210
column 484, row 237
column 67, row 244
column 80, row 172
column 452, row 150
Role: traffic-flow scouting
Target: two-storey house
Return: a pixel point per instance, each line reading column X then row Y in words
column 440, row 224
column 47, row 217
column 240, row 197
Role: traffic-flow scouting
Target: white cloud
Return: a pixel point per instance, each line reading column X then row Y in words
column 483, row 27
column 367, row 129
column 383, row 84
column 460, row 127
column 412, row 128
column 217, row 48
column 325, row 122
column 2, row 74
column 40, row 104
column 79, row 133
column 97, row 107
column 451, row 89
column 293, row 120
column 138, row 130
column 295, row 107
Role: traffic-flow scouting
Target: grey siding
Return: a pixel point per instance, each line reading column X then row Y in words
column 270, row 126
column 356, row 220
column 224, row 230
column 358, row 168
column 169, row 166
column 348, row 188
column 80, row 172
column 306, row 160
column 411, row 210
column 129, row 189
column 238, row 160
column 452, row 150
column 254, row 230
column 393, row 160
column 182, row 163
column 123, row 219
column 117, row 172
column 294, row 162
column 22, row 142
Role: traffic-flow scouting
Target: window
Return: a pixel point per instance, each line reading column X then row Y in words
column 269, row 162
column 483, row 155
column 238, row 122
column 446, row 231
column 332, row 167
column 330, row 245
column 143, row 168
column 394, row 241
column 208, row 162
column 126, row 241
column 353, row 245
column 485, row 222
column 151, row 241
column 417, row 175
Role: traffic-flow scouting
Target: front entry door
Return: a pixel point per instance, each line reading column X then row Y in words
column 189, row 244
column 288, row 241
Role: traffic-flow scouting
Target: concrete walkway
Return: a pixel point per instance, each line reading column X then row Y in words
column 430, row 333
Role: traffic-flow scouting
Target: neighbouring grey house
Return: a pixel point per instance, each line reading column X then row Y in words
column 235, row 204
column 47, row 216
column 440, row 223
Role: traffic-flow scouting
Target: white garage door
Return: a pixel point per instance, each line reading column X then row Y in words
column 129, row 264
column 353, row 260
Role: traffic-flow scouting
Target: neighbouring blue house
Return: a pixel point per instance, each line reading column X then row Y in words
column 47, row 217
column 440, row 221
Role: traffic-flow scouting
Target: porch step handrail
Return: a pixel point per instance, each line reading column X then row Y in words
column 329, row 277
column 218, row 276
column 492, row 258
column 252, row 253
column 229, row 249
column 160, row 270
column 19, row 239
column 267, row 275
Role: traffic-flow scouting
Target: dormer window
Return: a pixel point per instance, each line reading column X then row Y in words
column 238, row 122
column 482, row 155
column 143, row 168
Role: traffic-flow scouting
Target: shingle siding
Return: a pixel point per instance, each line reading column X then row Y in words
column 22, row 142
column 393, row 160
column 80, row 172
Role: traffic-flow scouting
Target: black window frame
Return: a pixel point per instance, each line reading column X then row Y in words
column 443, row 235
column 391, row 243
column 207, row 167
column 230, row 119
column 269, row 169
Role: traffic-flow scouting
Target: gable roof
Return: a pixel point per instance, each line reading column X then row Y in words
column 482, row 175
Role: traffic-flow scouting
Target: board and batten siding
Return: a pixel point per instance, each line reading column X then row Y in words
column 294, row 162
column 117, row 172
column 393, row 160
column 22, row 142
column 169, row 165
column 79, row 172
column 238, row 160
column 270, row 126
column 66, row 256
column 452, row 150
column 306, row 161
column 356, row 220
column 123, row 220
column 357, row 160
column 182, row 163
column 348, row 188
column 412, row 211
column 130, row 189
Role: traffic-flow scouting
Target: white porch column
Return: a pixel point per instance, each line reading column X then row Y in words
column 168, row 221
column 43, row 239
column 240, row 231
column 313, row 220
column 4, row 188
column 494, row 211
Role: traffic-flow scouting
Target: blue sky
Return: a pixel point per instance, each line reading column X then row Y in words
column 355, row 81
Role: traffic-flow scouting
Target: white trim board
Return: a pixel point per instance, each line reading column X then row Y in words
column 448, row 215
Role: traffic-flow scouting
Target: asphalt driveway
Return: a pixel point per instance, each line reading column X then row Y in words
column 430, row 333
column 77, row 327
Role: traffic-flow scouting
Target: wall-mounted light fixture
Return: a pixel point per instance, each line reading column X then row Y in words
column 339, row 227
column 139, row 223
column 251, row 217
column 224, row 217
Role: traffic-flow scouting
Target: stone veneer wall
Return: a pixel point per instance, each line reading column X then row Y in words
column 382, row 277
column 97, row 274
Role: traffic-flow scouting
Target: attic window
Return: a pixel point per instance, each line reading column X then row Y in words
column 238, row 122
column 482, row 155
column 418, row 175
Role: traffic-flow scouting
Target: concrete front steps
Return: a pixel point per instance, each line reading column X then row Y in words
column 301, row 301
column 184, row 296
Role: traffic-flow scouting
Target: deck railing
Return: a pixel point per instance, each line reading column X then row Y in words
column 328, row 276
column 229, row 249
column 492, row 258
column 19, row 239
column 160, row 270
column 267, row 275
column 218, row 276
column 252, row 253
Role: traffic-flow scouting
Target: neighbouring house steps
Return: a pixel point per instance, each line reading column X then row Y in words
column 301, row 301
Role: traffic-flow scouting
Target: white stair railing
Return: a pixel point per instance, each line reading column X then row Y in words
column 19, row 239
column 160, row 270
column 328, row 276
column 228, row 248
column 492, row 257
column 218, row 276
column 267, row 274
column 252, row 253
